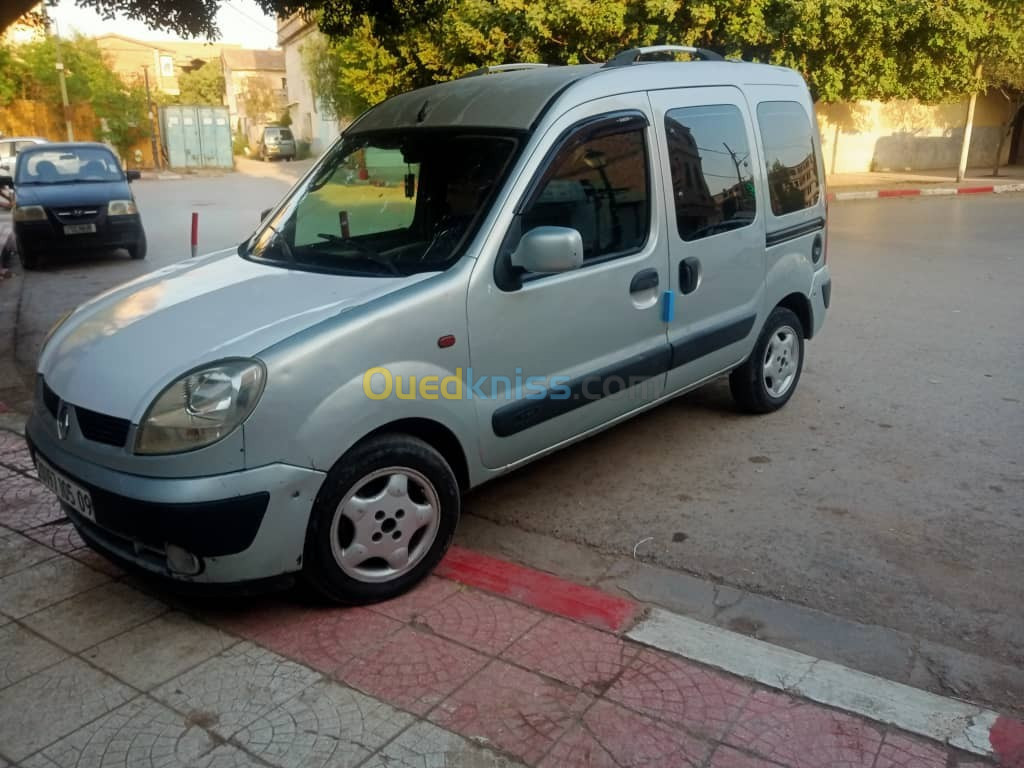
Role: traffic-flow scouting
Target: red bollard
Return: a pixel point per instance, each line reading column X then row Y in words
column 195, row 232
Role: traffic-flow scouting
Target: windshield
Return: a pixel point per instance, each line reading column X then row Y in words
column 388, row 204
column 58, row 166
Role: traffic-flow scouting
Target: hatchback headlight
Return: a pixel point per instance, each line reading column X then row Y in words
column 121, row 208
column 29, row 213
column 201, row 407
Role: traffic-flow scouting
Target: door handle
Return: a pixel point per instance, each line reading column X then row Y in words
column 689, row 275
column 644, row 280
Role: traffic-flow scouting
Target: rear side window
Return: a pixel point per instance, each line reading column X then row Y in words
column 286, row 134
column 597, row 184
column 790, row 162
column 712, row 183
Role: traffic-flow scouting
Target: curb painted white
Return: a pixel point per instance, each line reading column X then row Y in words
column 873, row 193
column 950, row 721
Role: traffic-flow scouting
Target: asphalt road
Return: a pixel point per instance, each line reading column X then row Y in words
column 890, row 490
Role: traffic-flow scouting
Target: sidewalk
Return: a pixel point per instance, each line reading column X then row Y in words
column 485, row 664
column 859, row 185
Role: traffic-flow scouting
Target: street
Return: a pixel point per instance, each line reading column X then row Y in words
column 888, row 492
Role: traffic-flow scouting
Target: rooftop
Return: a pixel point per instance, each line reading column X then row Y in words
column 253, row 58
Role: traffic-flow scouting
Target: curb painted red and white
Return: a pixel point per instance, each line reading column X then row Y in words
column 946, row 720
column 874, row 194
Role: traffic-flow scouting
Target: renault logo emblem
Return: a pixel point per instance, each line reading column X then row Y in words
column 77, row 212
column 63, row 421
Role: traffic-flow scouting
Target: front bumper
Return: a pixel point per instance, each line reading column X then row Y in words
column 242, row 526
column 111, row 232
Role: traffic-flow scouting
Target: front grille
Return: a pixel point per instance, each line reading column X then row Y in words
column 50, row 400
column 102, row 428
column 75, row 215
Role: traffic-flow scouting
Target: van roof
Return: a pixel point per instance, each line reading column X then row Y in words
column 516, row 99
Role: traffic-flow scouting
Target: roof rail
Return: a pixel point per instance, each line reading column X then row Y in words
column 633, row 55
column 492, row 69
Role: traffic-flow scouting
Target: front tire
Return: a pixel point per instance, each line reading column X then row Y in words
column 29, row 261
column 384, row 517
column 138, row 251
column 766, row 381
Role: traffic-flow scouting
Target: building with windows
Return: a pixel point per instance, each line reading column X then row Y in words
column 309, row 123
column 255, row 82
column 165, row 60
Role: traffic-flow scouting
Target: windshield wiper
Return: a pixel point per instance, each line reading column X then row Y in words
column 364, row 250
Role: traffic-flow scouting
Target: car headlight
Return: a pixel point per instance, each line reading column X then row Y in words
column 201, row 407
column 29, row 213
column 121, row 208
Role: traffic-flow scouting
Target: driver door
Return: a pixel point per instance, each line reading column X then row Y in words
column 555, row 356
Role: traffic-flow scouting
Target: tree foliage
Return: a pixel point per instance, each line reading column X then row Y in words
column 846, row 49
column 121, row 107
column 203, row 85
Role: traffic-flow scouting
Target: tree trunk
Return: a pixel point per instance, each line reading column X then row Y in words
column 968, row 127
column 1004, row 130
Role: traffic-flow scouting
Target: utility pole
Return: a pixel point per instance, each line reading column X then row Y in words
column 152, row 122
column 736, row 161
column 61, row 78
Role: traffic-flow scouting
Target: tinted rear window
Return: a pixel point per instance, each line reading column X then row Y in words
column 790, row 162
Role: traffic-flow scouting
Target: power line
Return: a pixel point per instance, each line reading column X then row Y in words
column 259, row 22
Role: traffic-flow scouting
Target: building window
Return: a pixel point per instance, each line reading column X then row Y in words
column 167, row 66
column 709, row 157
column 790, row 161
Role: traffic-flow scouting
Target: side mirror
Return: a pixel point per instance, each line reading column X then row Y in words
column 548, row 250
column 264, row 213
column 132, row 176
column 5, row 178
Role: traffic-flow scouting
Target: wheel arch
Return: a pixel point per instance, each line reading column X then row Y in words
column 800, row 306
column 437, row 436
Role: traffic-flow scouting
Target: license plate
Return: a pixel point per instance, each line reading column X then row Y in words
column 79, row 229
column 72, row 494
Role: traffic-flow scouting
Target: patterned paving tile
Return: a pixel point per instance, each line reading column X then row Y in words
column 427, row 746
column 613, row 736
column 25, row 504
column 140, row 734
column 519, row 712
column 44, row 584
column 326, row 726
column 419, row 600
column 899, row 751
column 158, row 650
column 18, row 552
column 23, row 653
column 481, row 621
column 18, row 460
column 53, row 703
column 59, row 536
column 803, row 735
column 579, row 656
column 11, row 442
column 411, row 669
column 97, row 562
column 727, row 757
column 94, row 616
column 327, row 638
column 233, row 689
column 670, row 688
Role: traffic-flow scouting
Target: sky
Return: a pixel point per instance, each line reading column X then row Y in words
column 240, row 21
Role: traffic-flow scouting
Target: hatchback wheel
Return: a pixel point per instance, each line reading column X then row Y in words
column 383, row 519
column 138, row 251
column 766, row 381
column 29, row 260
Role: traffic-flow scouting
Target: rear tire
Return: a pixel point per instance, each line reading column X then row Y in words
column 766, row 381
column 138, row 251
column 385, row 515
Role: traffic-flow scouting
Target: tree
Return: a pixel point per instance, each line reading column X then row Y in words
column 120, row 107
column 259, row 98
column 203, row 85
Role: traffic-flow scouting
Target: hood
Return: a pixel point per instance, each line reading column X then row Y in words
column 115, row 353
column 66, row 195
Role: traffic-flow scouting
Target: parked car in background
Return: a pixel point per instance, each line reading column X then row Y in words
column 73, row 198
column 276, row 141
column 11, row 146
